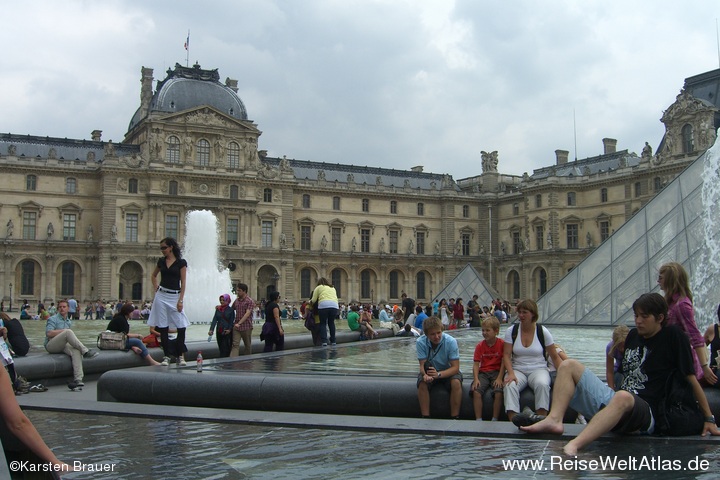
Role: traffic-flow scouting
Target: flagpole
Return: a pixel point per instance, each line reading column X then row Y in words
column 187, row 50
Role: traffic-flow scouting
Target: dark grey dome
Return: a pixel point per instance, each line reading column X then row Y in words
column 185, row 88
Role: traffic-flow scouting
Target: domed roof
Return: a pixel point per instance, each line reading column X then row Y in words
column 185, row 88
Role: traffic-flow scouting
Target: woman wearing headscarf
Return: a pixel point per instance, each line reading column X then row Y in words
column 222, row 325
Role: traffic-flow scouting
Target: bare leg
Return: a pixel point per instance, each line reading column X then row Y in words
column 455, row 397
column 604, row 421
column 568, row 376
column 497, row 405
column 477, row 404
column 424, row 399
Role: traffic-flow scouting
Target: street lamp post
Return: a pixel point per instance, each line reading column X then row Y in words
column 10, row 302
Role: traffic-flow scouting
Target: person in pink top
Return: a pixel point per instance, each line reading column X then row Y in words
column 673, row 280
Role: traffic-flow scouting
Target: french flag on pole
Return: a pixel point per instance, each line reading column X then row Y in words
column 187, row 42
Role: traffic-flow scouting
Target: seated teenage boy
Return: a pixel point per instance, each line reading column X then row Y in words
column 439, row 359
column 652, row 353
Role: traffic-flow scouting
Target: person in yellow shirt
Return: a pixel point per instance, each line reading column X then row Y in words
column 325, row 297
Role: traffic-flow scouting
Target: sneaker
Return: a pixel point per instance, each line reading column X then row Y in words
column 324, row 344
column 91, row 353
column 165, row 362
column 79, row 384
column 525, row 420
column 528, row 411
column 182, row 362
column 333, row 344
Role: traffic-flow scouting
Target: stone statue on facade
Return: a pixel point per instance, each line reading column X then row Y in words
column 589, row 240
column 109, row 149
column 382, row 245
column 646, row 151
column 457, row 248
column 321, row 175
column 411, row 247
column 113, row 233
column 527, row 243
column 353, row 245
column 283, row 240
column 90, row 233
column 489, row 161
column 50, row 230
column 437, row 247
column 481, row 249
column 549, row 241
column 350, row 178
column 323, row 243
column 10, row 228
column 502, row 248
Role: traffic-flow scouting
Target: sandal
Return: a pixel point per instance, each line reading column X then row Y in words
column 38, row 388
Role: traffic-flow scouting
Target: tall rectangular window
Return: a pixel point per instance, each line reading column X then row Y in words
column 131, row 227
column 365, row 204
column 420, row 243
column 67, row 282
column 394, row 285
column 638, row 189
column 232, row 231
column 571, row 200
column 336, row 279
column 604, row 231
column 517, row 243
column 29, row 225
column 365, row 284
column 203, row 153
column 172, row 153
column 305, row 237
column 133, row 185
column 70, row 185
column 604, row 195
column 365, row 240
column 336, row 203
column 31, row 182
column 538, row 201
column 27, row 278
column 267, row 234
column 393, row 206
column 306, row 201
column 465, row 240
column 267, row 195
column 305, row 287
column 69, row 225
column 420, row 209
column 420, row 293
column 173, row 187
column 336, row 236
column 466, row 211
column 233, row 155
column 572, row 235
column 393, row 235
column 539, row 237
column 171, row 226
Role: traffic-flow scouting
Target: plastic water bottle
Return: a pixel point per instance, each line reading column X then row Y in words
column 199, row 362
column 210, row 338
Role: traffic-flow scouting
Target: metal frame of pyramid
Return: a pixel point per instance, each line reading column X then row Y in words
column 468, row 282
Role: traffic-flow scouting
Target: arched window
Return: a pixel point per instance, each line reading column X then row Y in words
column 172, row 152
column 133, row 185
column 515, row 277
column 305, row 290
column 394, row 284
column 365, row 284
column 420, row 280
column 542, row 281
column 688, row 143
column 233, row 155
column 203, row 153
column 233, row 192
column 336, row 279
column 27, row 278
column 67, row 285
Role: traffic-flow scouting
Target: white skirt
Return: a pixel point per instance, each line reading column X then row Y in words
column 164, row 312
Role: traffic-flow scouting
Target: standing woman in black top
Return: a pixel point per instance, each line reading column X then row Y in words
column 272, row 332
column 167, row 307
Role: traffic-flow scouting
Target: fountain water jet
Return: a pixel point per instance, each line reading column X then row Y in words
column 207, row 278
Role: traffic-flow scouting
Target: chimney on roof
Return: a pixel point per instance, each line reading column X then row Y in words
column 231, row 84
column 609, row 145
column 561, row 156
column 145, row 90
column 96, row 135
column 417, row 169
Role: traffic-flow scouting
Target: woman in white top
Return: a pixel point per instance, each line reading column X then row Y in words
column 525, row 363
column 443, row 308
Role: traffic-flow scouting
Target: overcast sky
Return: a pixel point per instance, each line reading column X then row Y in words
column 380, row 83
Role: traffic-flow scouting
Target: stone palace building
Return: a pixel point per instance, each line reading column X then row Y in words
column 84, row 218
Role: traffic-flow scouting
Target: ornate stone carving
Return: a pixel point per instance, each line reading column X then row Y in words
column 12, row 149
column 266, row 171
column 489, row 161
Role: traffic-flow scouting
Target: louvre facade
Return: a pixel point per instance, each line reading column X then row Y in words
column 84, row 218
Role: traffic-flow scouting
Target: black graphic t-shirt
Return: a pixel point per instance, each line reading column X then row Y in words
column 647, row 363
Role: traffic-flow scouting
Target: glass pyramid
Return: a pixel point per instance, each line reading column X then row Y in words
column 680, row 224
column 466, row 284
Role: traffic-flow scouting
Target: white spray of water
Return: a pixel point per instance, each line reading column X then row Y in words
column 705, row 282
column 206, row 278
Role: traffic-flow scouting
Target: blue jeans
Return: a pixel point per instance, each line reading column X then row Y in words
column 327, row 317
column 136, row 342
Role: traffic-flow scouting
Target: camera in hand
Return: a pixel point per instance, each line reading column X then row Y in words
column 427, row 366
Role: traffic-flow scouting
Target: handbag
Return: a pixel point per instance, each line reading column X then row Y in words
column 678, row 413
column 111, row 340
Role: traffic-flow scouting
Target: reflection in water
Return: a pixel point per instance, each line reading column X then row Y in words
column 143, row 448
